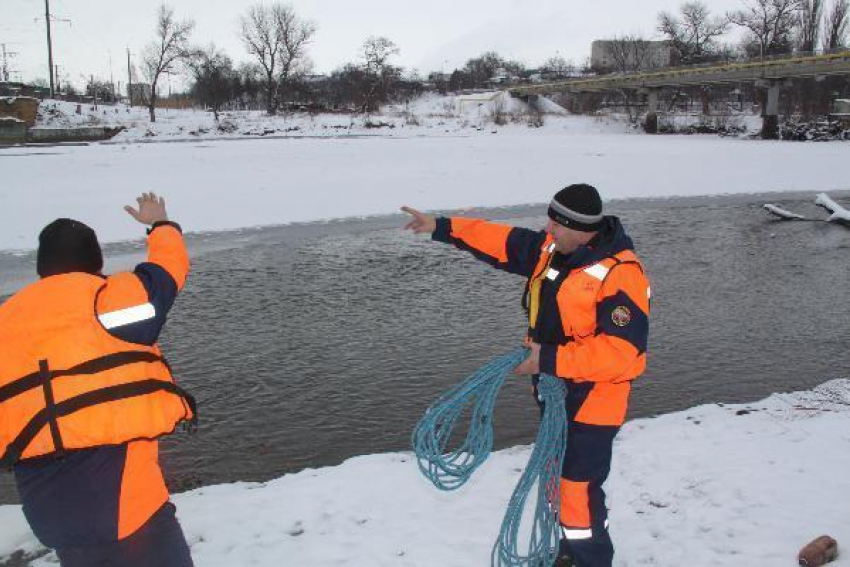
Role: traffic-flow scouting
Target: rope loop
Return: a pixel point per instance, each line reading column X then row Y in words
column 449, row 469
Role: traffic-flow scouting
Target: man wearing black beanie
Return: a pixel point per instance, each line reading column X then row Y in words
column 85, row 393
column 587, row 300
column 65, row 246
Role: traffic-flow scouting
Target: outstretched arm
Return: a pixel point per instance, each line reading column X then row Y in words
column 512, row 249
column 133, row 306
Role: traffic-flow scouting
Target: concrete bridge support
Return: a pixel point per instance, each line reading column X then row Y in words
column 650, row 124
column 578, row 102
column 770, row 115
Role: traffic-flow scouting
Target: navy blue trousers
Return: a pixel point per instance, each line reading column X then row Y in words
column 158, row 543
column 588, row 460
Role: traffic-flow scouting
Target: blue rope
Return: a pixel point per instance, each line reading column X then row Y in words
column 450, row 469
column 543, row 469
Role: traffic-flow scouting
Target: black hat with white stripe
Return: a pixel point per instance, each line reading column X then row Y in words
column 578, row 207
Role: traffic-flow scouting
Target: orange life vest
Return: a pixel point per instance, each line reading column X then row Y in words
column 66, row 383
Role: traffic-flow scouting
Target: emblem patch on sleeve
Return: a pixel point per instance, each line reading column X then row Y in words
column 621, row 316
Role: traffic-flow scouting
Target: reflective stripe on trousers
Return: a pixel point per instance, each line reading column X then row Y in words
column 577, row 534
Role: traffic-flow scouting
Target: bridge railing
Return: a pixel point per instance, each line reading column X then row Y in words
column 742, row 65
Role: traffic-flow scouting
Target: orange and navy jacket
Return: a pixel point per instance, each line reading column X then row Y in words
column 589, row 310
column 85, row 393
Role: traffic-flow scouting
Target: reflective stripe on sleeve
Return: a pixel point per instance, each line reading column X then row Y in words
column 127, row 316
column 598, row 271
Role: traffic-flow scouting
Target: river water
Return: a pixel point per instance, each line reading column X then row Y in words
column 308, row 344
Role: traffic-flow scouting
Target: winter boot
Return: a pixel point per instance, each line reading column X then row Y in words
column 563, row 559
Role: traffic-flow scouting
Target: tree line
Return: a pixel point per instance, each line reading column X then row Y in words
column 279, row 70
column 771, row 28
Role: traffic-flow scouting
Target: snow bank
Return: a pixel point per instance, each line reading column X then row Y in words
column 431, row 114
column 551, row 107
column 712, row 486
column 226, row 185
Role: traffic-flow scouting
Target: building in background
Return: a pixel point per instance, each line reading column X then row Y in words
column 607, row 55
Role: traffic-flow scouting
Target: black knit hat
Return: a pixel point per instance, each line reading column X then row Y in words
column 578, row 207
column 65, row 246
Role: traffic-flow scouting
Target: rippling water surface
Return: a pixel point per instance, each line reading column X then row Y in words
column 306, row 345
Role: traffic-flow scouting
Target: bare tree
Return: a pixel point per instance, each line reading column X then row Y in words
column 295, row 35
column 559, row 67
column 376, row 53
column 631, row 53
column 261, row 40
column 278, row 39
column 163, row 55
column 693, row 36
column 348, row 87
column 835, row 34
column 809, row 26
column 478, row 71
column 216, row 81
column 770, row 24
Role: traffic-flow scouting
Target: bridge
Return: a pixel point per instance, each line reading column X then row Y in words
column 768, row 74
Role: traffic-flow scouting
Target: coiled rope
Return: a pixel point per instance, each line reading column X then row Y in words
column 449, row 469
column 544, row 469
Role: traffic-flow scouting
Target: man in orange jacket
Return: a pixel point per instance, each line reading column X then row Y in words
column 85, row 393
column 587, row 300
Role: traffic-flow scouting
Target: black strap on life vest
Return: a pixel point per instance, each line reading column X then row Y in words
column 24, row 384
column 96, row 397
column 50, row 406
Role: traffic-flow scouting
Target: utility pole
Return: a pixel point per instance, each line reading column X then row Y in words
column 111, row 79
column 129, row 78
column 49, row 47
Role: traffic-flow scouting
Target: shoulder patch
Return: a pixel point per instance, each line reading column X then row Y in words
column 621, row 316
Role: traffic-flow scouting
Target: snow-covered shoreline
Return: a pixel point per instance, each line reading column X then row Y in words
column 231, row 185
column 714, row 485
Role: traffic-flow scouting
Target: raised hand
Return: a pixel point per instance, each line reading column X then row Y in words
column 151, row 209
column 420, row 223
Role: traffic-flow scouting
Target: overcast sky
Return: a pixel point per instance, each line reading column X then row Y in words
column 433, row 35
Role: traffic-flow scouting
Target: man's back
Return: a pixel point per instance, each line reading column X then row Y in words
column 88, row 393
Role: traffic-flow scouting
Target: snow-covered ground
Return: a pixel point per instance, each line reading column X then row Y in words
column 216, row 184
column 711, row 486
column 429, row 115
